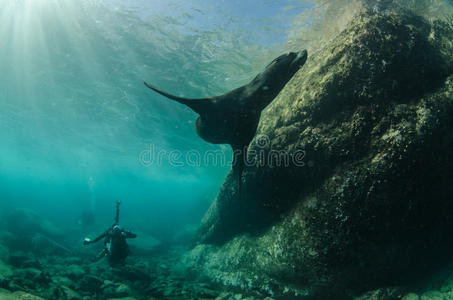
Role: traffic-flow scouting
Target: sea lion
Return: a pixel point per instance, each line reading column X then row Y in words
column 233, row 118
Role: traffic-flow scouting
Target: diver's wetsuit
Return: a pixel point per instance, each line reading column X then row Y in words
column 115, row 245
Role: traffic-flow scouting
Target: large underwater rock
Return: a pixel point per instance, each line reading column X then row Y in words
column 27, row 223
column 370, row 204
column 26, row 230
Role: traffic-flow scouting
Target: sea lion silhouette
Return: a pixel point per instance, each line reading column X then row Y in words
column 233, row 118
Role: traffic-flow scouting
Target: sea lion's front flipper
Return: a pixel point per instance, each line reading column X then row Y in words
column 200, row 106
column 239, row 159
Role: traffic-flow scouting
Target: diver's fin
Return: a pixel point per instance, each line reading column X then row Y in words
column 200, row 105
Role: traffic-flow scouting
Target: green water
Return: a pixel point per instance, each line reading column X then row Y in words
column 79, row 130
column 75, row 117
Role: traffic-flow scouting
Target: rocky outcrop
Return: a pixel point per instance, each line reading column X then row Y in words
column 28, row 222
column 358, row 195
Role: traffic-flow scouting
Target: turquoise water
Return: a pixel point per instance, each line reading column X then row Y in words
column 78, row 128
column 77, row 125
column 79, row 131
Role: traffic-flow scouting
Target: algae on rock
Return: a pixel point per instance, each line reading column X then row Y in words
column 371, row 203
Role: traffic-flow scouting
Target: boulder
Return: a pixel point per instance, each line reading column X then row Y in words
column 132, row 273
column 69, row 294
column 90, row 283
column 7, row 239
column 5, row 270
column 432, row 295
column 74, row 272
column 351, row 176
column 6, row 295
column 411, row 296
column 22, row 259
column 25, row 222
column 24, row 295
column 4, row 253
column 24, row 228
column 116, row 290
column 62, row 281
column 28, row 273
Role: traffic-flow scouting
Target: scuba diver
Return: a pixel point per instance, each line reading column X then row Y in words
column 115, row 245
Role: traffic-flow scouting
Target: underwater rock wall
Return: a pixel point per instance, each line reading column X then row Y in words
column 371, row 205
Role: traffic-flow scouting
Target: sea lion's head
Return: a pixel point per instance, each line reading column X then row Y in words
column 286, row 65
column 268, row 84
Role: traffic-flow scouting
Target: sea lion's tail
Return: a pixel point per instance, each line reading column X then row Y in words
column 199, row 105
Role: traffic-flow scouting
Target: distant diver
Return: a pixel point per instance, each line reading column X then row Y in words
column 86, row 219
column 115, row 245
column 233, row 118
